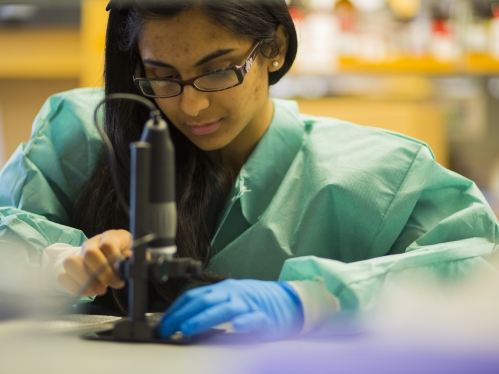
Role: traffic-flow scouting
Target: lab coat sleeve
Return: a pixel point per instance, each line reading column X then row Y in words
column 447, row 229
column 43, row 178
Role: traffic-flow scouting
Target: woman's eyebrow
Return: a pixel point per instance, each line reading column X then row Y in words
column 204, row 60
column 212, row 56
column 149, row 61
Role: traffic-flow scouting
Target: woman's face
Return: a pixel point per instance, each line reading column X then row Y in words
column 190, row 44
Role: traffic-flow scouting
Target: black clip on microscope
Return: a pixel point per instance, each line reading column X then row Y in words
column 152, row 211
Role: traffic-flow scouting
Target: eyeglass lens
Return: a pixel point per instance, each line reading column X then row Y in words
column 218, row 80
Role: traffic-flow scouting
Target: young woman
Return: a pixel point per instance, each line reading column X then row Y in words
column 308, row 216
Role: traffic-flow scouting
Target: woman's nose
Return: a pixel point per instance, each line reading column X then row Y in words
column 193, row 101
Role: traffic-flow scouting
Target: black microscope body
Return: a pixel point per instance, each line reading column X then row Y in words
column 152, row 213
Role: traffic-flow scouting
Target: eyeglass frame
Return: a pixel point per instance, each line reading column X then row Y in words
column 240, row 70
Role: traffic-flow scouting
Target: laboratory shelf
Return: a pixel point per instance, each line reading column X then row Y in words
column 469, row 64
column 32, row 53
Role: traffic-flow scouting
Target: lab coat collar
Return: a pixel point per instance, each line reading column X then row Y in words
column 265, row 169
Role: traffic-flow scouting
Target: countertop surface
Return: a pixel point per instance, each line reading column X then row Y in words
column 55, row 346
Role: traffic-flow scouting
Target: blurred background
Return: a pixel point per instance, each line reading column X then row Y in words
column 425, row 68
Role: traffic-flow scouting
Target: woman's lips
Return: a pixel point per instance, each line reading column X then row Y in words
column 204, row 129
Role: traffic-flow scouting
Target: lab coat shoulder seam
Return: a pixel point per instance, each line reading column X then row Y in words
column 408, row 170
column 42, row 123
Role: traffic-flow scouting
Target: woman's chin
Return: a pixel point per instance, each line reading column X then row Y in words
column 208, row 145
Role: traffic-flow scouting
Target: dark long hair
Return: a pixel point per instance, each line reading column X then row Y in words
column 202, row 184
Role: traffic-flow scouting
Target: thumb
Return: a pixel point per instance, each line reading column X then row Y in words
column 251, row 322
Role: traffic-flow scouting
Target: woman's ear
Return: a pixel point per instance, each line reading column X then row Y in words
column 276, row 62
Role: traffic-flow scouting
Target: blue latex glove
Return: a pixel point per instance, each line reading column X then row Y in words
column 270, row 308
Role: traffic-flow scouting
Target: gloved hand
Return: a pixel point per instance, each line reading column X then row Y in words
column 270, row 308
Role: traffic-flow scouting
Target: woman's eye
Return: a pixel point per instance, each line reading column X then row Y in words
column 165, row 73
column 168, row 74
column 218, row 67
column 173, row 76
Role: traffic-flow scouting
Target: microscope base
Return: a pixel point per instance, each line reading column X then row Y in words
column 177, row 338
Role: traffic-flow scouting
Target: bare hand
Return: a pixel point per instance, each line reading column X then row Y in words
column 96, row 255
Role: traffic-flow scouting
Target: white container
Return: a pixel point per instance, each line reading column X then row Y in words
column 494, row 34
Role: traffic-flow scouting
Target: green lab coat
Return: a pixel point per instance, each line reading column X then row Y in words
column 318, row 197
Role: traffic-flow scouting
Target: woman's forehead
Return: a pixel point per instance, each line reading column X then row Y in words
column 191, row 31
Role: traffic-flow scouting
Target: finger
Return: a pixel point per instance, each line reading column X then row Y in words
column 114, row 242
column 99, row 268
column 68, row 283
column 171, row 324
column 75, row 267
column 186, row 298
column 251, row 322
column 73, row 287
column 92, row 250
column 208, row 318
column 92, row 242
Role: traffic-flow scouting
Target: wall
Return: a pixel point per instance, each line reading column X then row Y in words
column 20, row 101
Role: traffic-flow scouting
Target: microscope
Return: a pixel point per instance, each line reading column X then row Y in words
column 153, row 224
